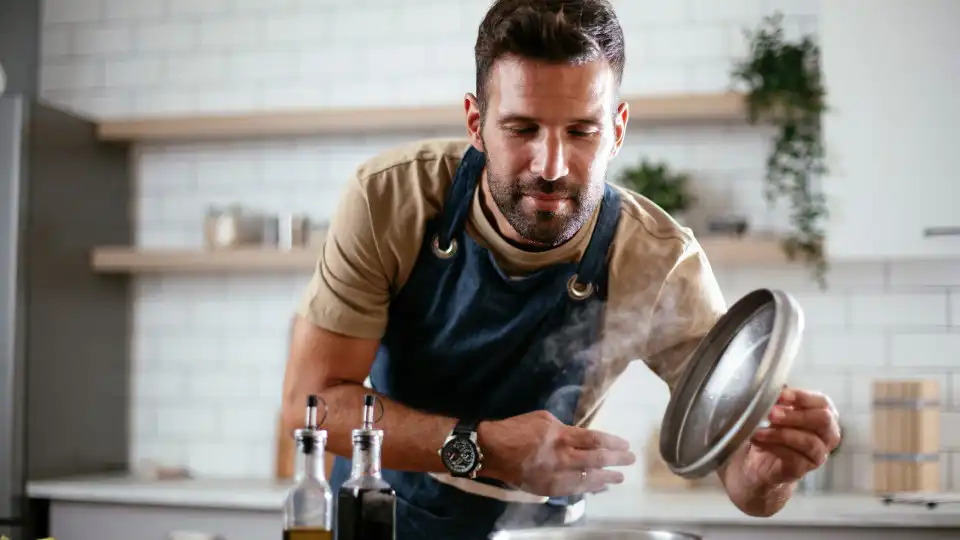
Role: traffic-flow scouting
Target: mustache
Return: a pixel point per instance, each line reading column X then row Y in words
column 554, row 188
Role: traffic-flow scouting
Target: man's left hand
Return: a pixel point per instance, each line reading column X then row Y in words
column 804, row 429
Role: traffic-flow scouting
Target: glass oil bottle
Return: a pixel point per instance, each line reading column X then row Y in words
column 366, row 504
column 307, row 511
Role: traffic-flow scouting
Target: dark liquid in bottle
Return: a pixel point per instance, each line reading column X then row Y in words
column 307, row 533
column 366, row 514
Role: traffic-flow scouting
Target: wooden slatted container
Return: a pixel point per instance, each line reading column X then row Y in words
column 906, row 436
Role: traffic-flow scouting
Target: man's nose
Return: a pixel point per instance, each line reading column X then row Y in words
column 551, row 163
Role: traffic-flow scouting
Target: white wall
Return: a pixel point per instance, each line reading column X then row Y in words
column 208, row 352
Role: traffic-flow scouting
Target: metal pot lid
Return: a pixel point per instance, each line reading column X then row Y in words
column 733, row 381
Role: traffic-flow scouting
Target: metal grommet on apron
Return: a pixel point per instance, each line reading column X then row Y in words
column 444, row 253
column 577, row 290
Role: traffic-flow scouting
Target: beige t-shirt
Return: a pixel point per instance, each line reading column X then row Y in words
column 662, row 294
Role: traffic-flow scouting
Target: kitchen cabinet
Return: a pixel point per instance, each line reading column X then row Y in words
column 74, row 520
column 892, row 76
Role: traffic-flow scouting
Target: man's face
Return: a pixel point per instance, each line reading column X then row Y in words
column 549, row 133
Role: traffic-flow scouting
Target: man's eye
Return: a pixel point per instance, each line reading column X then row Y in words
column 521, row 130
column 581, row 133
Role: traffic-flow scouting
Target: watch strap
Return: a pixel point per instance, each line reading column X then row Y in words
column 465, row 427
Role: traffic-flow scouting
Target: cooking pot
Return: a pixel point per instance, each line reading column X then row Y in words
column 733, row 380
column 591, row 533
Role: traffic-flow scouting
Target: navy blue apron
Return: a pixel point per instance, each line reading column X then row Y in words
column 466, row 340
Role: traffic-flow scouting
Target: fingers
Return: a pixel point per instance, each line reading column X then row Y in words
column 589, row 439
column 591, row 451
column 579, row 459
column 598, row 480
column 806, row 399
column 574, row 482
column 809, row 410
column 805, row 443
column 818, row 421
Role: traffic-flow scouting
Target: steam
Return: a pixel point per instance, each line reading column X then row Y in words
column 562, row 403
column 658, row 315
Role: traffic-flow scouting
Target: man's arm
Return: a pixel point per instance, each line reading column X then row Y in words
column 334, row 367
column 689, row 304
column 760, row 476
column 343, row 313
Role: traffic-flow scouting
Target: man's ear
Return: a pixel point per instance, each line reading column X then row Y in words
column 471, row 106
column 620, row 127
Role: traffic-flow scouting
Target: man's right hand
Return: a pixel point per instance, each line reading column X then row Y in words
column 539, row 454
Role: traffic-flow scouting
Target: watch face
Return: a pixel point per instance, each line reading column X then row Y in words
column 459, row 456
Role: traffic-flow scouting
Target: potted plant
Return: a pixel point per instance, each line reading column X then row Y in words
column 655, row 181
column 784, row 90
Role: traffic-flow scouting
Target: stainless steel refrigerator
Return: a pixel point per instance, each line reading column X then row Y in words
column 63, row 328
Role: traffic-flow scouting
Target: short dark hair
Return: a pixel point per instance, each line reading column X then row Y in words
column 562, row 31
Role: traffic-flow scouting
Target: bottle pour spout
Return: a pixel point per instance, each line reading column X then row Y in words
column 368, row 403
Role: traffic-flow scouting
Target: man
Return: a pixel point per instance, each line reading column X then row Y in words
column 493, row 289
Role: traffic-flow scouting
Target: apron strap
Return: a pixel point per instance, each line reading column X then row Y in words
column 456, row 208
column 593, row 263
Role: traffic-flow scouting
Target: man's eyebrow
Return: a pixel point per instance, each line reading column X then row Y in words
column 521, row 118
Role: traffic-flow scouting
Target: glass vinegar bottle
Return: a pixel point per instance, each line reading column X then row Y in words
column 307, row 511
column 366, row 504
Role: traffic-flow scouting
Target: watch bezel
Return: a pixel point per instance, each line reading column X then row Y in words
column 470, row 440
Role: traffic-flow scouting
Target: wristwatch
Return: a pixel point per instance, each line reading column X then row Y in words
column 461, row 453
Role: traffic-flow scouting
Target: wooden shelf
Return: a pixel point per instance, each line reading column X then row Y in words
column 721, row 251
column 745, row 251
column 145, row 261
column 680, row 108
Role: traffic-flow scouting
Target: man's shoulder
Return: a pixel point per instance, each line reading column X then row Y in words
column 412, row 158
column 648, row 232
column 406, row 184
column 651, row 248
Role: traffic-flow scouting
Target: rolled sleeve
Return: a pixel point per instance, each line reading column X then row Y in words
column 348, row 292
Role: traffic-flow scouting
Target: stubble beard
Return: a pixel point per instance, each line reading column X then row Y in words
column 547, row 228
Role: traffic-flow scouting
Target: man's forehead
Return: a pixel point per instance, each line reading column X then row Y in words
column 514, row 82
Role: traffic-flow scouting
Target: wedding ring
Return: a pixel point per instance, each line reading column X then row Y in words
column 583, row 476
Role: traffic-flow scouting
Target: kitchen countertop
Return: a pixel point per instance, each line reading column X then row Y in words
column 253, row 494
column 714, row 508
column 621, row 505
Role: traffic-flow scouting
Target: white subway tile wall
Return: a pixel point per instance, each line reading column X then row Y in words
column 208, row 351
